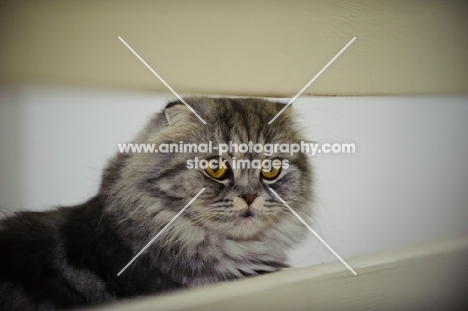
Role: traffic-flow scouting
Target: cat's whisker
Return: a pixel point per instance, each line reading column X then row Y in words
column 146, row 206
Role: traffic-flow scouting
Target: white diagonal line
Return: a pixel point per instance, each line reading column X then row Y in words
column 160, row 232
column 313, row 79
column 162, row 80
column 312, row 230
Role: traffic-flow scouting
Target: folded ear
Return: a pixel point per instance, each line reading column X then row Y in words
column 287, row 111
column 177, row 113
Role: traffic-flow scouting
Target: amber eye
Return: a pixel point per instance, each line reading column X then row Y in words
column 216, row 169
column 271, row 172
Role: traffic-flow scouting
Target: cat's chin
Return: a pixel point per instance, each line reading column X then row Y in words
column 248, row 226
column 247, row 214
column 247, row 221
column 249, row 218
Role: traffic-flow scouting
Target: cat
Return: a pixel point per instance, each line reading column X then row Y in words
column 236, row 228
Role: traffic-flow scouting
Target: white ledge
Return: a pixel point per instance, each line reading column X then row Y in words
column 429, row 276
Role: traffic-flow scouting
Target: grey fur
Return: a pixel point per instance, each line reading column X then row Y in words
column 70, row 257
column 206, row 243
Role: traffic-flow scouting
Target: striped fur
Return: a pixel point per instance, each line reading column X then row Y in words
column 70, row 257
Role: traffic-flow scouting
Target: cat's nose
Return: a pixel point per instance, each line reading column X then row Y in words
column 249, row 198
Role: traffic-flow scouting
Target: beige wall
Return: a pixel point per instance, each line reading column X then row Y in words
column 267, row 48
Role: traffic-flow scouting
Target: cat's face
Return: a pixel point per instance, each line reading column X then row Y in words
column 237, row 202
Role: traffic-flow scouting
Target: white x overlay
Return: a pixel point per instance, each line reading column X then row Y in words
column 271, row 121
column 313, row 79
column 162, row 80
column 160, row 232
column 313, row 231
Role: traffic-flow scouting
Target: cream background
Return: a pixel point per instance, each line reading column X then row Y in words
column 255, row 48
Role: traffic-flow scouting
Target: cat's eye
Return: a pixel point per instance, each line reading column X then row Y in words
column 271, row 172
column 216, row 169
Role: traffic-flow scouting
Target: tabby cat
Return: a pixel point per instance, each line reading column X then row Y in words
column 70, row 256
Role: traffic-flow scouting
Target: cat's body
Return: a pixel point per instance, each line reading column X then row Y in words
column 70, row 257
